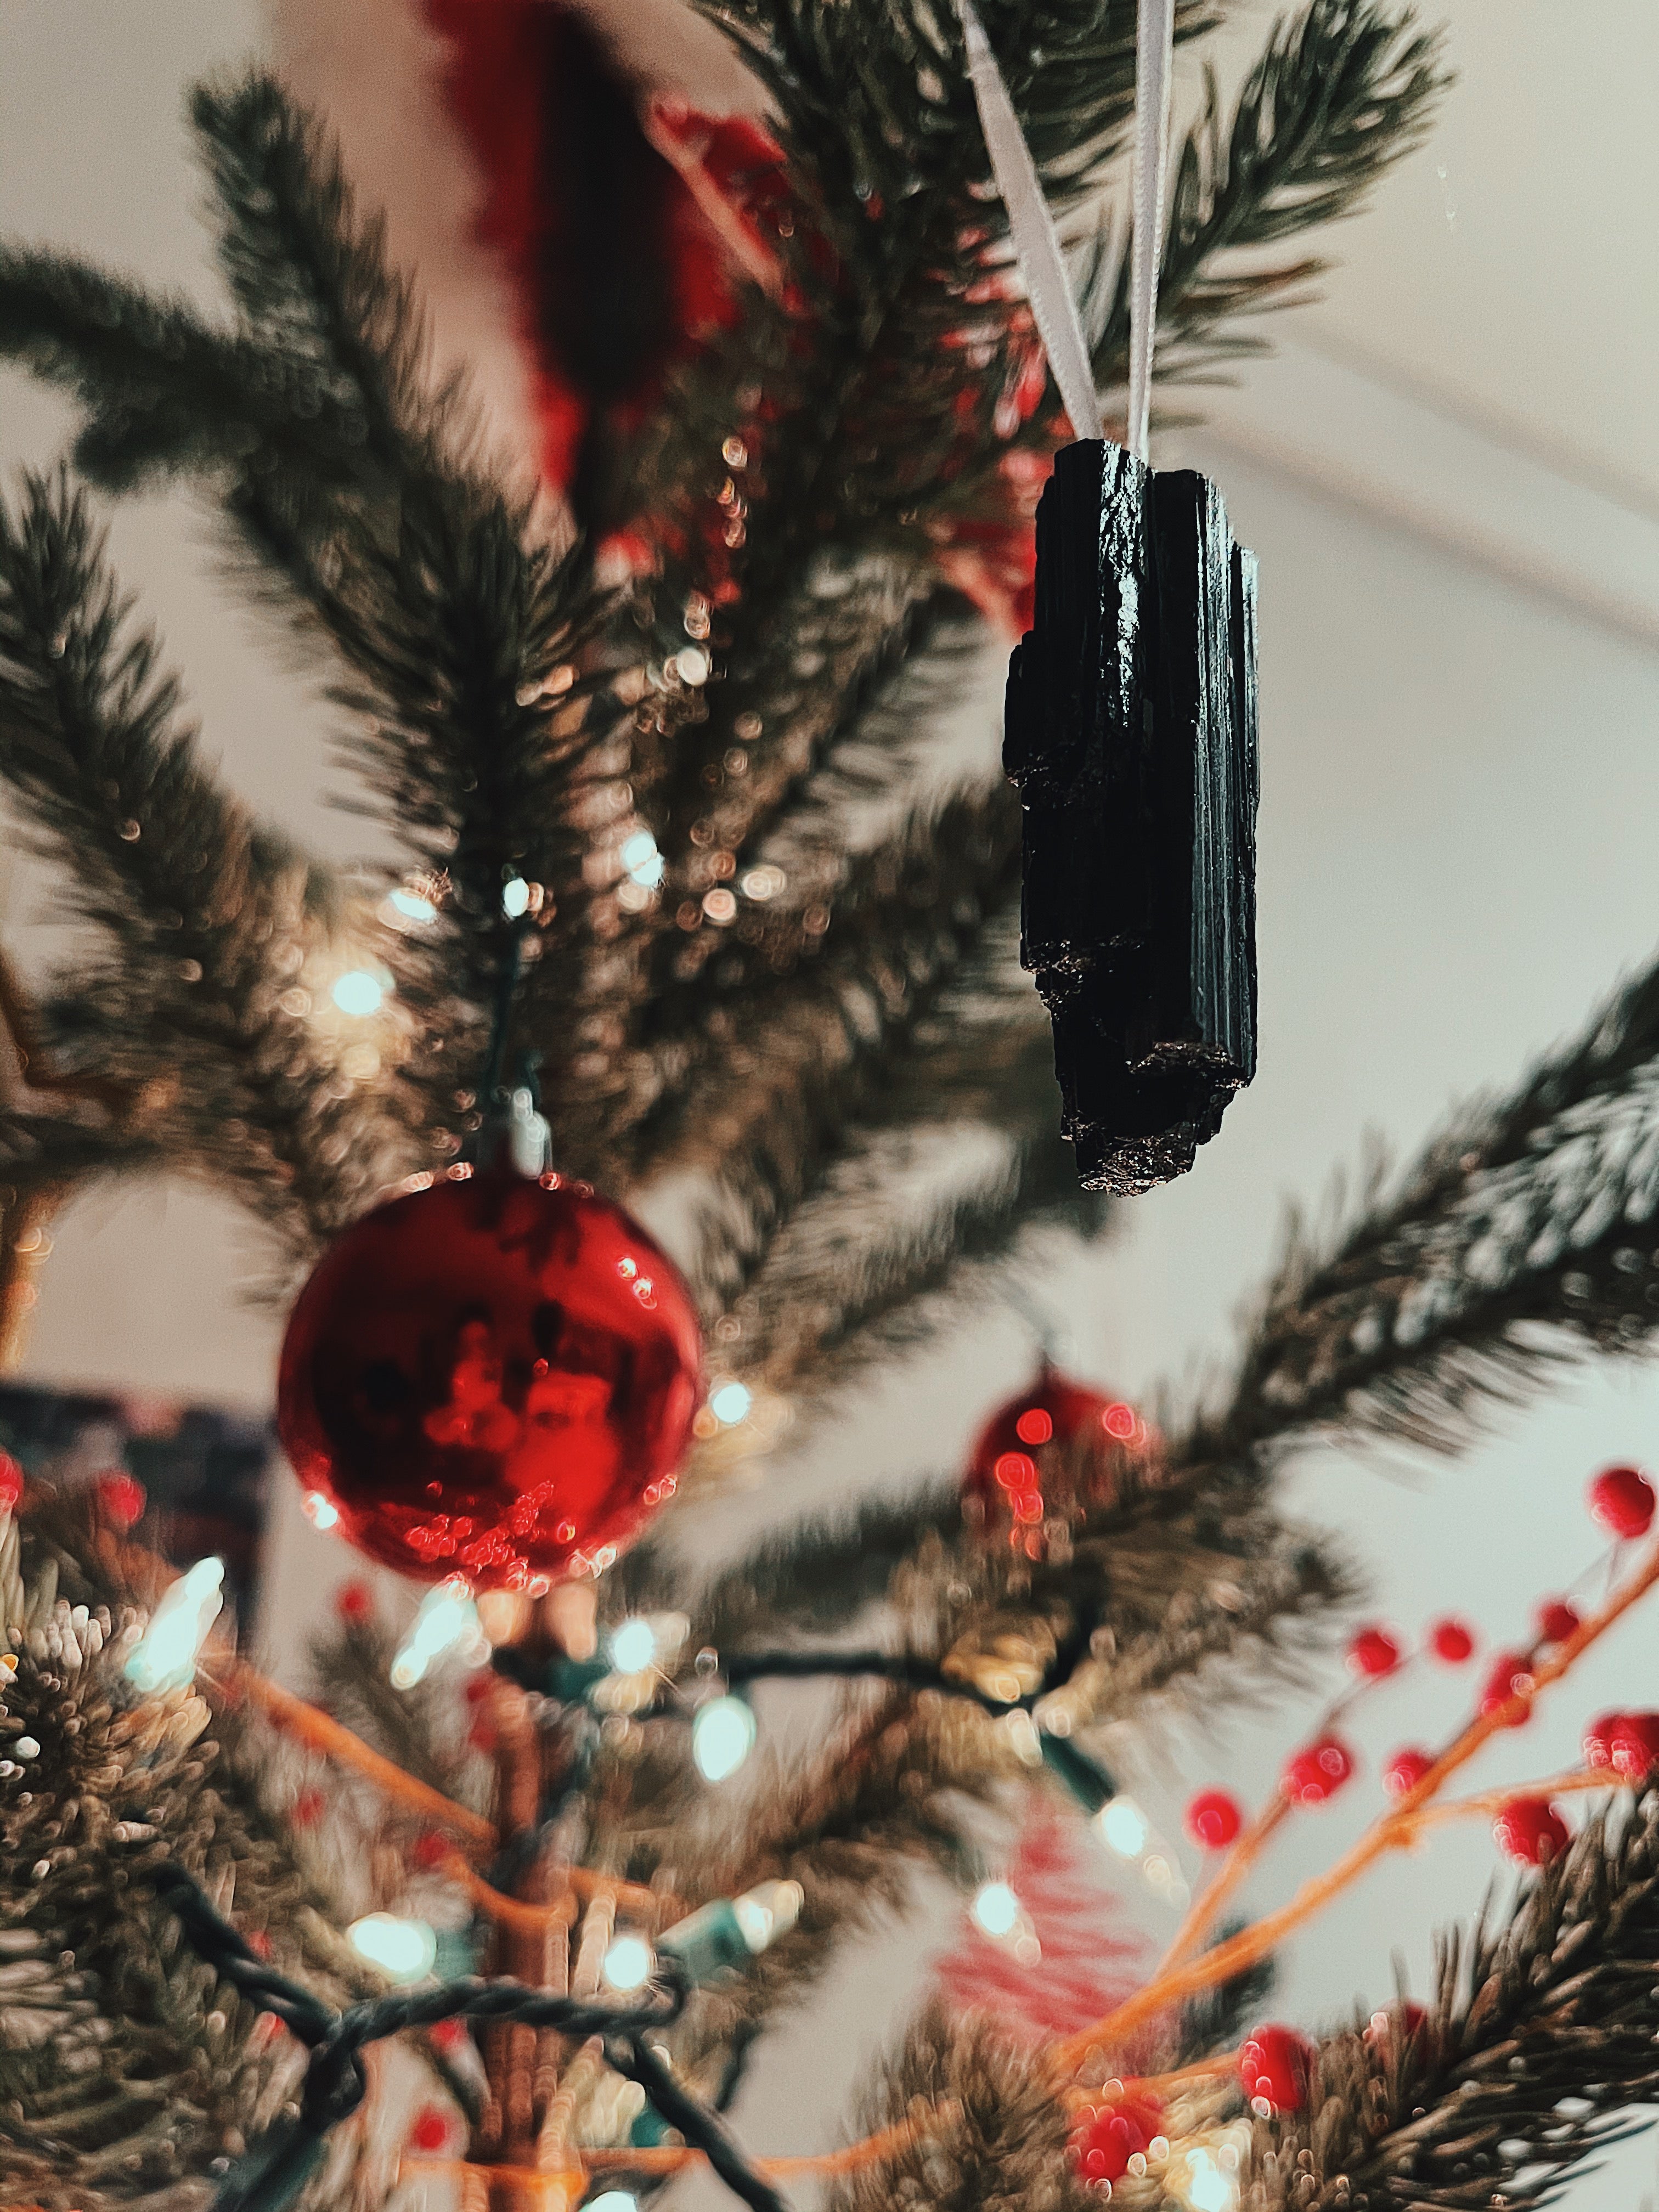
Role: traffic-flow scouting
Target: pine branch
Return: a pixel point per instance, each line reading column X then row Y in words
column 353, row 1668
column 1520, row 1239
column 1540, row 2041
column 205, row 920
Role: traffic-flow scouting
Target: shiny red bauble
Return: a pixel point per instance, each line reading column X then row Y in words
column 1405, row 1770
column 1214, row 1819
column 1627, row 1744
column 1107, row 2138
column 1621, row 1498
column 1317, row 1772
column 1452, row 1641
column 1012, row 1452
column 1275, row 2066
column 1556, row 1620
column 1530, row 1831
column 494, row 1378
column 1373, row 1653
column 1510, row 1680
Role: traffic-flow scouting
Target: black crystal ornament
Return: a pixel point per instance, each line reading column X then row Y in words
column 1131, row 732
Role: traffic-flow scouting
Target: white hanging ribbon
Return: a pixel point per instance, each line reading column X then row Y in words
column 1154, row 56
column 1049, row 287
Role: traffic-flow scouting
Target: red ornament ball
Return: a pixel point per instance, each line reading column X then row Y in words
column 1621, row 1500
column 1510, row 1677
column 1627, row 1743
column 494, row 1378
column 122, row 1497
column 1452, row 1641
column 1214, row 1819
column 1530, row 1831
column 429, row 2129
column 1373, row 1653
column 1003, row 1473
column 1317, row 1772
column 1557, row 1620
column 1405, row 1770
column 1108, row 2136
column 1275, row 2066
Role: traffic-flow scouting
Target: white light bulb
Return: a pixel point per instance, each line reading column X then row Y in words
column 165, row 1656
column 357, row 992
column 722, row 1737
column 996, row 1909
column 411, row 907
column 1206, row 2188
column 321, row 1512
column 447, row 1616
column 613, row 2200
column 633, row 1647
column 627, row 1963
column 405, row 1950
column 1123, row 1824
column 767, row 1911
column 642, row 862
column 729, row 1402
column 515, row 897
column 693, row 664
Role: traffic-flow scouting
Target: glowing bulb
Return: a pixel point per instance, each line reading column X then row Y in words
column 627, row 1964
column 1206, row 2188
column 767, row 1911
column 693, row 664
column 357, row 992
column 165, row 1657
column 996, row 1909
column 515, row 897
column 403, row 1950
column 633, row 1647
column 1123, row 1824
column 722, row 1737
column 447, row 1616
column 613, row 2200
column 321, row 1512
column 412, row 908
column 730, row 1403
column 644, row 864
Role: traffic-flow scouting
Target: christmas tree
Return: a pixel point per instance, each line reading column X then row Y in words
column 640, row 708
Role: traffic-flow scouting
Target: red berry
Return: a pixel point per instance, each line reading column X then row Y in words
column 1451, row 1640
column 1405, row 1770
column 429, row 2129
column 1214, row 1817
column 354, row 1601
column 1317, row 1772
column 1106, row 2138
column 1275, row 2066
column 1556, row 1620
column 11, row 1482
column 1621, row 1499
column 1530, row 1831
column 1373, row 1653
column 431, row 1849
column 1510, row 1677
column 1396, row 2023
column 307, row 1807
column 122, row 1497
column 448, row 2034
column 1633, row 1745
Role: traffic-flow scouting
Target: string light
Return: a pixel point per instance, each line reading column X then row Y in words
column 403, row 1950
column 411, row 909
column 165, row 1655
column 1126, row 1830
column 627, row 1964
column 358, row 993
column 447, row 1619
column 996, row 1909
column 1123, row 1824
column 722, row 1737
column 613, row 2200
column 321, row 1512
column 633, row 1647
column 643, row 864
column 515, row 897
column 729, row 1402
column 1205, row 2186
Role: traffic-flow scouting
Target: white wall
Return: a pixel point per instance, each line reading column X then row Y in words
column 1460, row 790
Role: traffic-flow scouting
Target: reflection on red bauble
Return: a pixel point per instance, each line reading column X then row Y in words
column 493, row 1378
column 1020, row 1442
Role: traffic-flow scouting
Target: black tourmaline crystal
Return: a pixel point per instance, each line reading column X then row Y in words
column 1131, row 732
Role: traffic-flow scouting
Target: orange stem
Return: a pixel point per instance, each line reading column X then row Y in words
column 1392, row 1829
column 583, row 1882
column 319, row 1732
